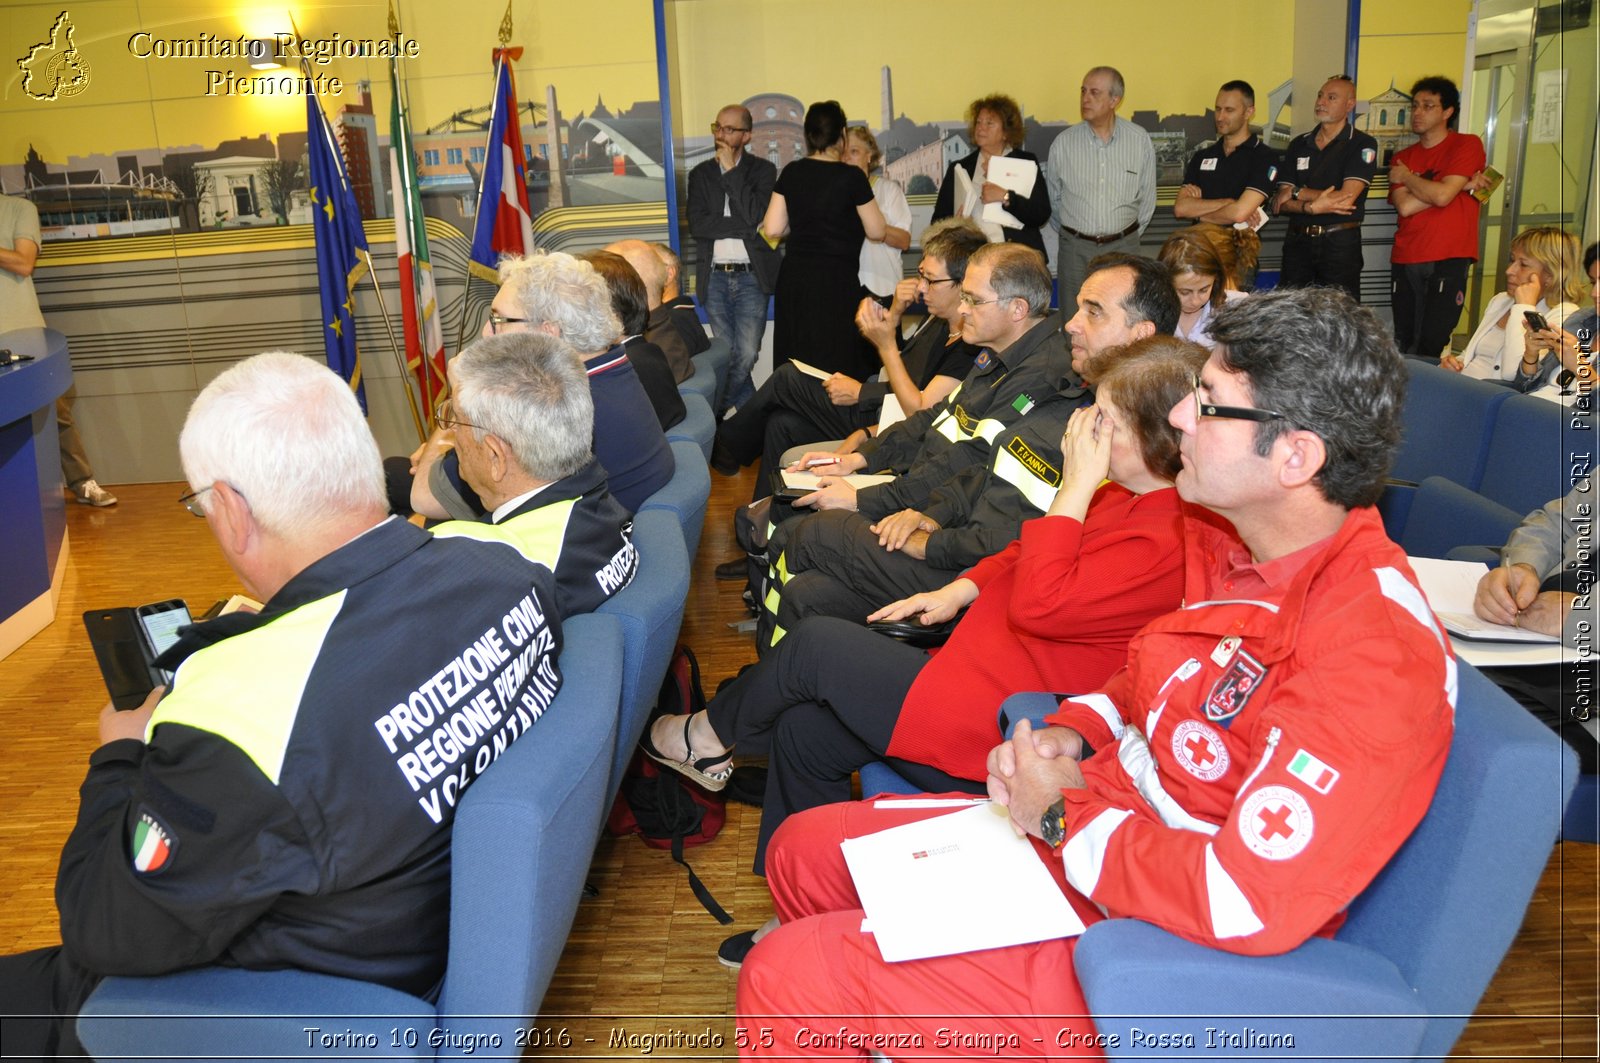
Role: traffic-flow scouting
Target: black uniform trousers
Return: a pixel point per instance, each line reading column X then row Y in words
column 821, row 705
column 46, row 984
column 1426, row 298
column 1330, row 260
column 830, row 564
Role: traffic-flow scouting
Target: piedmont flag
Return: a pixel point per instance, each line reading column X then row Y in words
column 505, row 222
column 342, row 256
column 418, row 299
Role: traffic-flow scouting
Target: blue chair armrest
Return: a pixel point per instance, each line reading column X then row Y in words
column 1033, row 707
column 1488, row 555
column 1335, row 1000
column 195, row 1015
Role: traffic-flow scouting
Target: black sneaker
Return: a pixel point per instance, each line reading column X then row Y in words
column 738, row 568
column 731, row 953
column 723, row 459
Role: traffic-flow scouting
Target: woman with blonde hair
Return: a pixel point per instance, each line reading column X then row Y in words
column 994, row 124
column 1200, row 279
column 881, row 266
column 1544, row 277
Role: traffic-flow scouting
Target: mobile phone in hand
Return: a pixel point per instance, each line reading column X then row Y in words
column 1535, row 320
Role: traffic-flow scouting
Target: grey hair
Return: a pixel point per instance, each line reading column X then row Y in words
column 555, row 288
column 1329, row 366
column 530, row 390
column 1017, row 272
column 286, row 433
column 1117, row 86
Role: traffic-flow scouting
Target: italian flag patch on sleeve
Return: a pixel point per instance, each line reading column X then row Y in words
column 1313, row 772
column 153, row 844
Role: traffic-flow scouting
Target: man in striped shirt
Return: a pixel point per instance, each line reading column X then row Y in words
column 1101, row 175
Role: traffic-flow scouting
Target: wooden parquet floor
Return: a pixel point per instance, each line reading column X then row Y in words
column 641, row 957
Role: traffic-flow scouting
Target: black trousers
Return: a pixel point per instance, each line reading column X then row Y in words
column 1331, row 260
column 1426, row 298
column 821, row 705
column 791, row 409
column 830, row 564
column 46, row 984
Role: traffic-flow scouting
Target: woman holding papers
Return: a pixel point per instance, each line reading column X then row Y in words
column 1054, row 611
column 1007, row 198
column 825, row 208
column 881, row 267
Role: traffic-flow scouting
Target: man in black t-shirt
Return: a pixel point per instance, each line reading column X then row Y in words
column 1230, row 181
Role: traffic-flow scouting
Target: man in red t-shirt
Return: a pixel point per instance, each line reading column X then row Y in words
column 1437, row 239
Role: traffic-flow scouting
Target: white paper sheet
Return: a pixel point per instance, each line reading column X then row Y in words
column 1014, row 175
column 1450, row 587
column 809, row 370
column 805, row 480
column 956, row 883
column 890, row 413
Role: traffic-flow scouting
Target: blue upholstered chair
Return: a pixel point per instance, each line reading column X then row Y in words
column 698, row 426
column 1420, row 944
column 1446, row 517
column 1448, row 419
column 651, row 611
column 1528, row 462
column 514, row 889
column 686, row 494
column 704, row 381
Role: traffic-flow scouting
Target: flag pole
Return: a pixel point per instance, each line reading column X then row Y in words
column 383, row 311
column 408, row 175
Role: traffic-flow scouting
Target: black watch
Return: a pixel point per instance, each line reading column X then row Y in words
column 1053, row 824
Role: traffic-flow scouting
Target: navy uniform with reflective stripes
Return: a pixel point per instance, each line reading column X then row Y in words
column 574, row 528
column 292, row 803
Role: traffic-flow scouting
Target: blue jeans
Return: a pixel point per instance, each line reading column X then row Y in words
column 737, row 308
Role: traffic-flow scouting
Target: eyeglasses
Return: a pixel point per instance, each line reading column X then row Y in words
column 497, row 322
column 191, row 502
column 931, row 281
column 727, row 130
column 968, row 299
column 446, row 417
column 1233, row 413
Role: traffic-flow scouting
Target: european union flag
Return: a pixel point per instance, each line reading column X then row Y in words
column 342, row 256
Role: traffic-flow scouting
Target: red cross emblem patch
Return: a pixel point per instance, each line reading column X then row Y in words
column 1199, row 750
column 1230, row 692
column 1275, row 823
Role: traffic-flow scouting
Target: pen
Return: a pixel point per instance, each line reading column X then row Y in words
column 815, row 462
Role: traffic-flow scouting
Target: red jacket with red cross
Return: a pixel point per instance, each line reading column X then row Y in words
column 1258, row 761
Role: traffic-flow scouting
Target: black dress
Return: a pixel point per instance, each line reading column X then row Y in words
column 818, row 287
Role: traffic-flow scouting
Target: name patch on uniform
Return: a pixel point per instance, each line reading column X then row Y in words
column 1302, row 163
column 1275, row 823
column 1232, row 691
column 153, row 844
column 967, row 424
column 1033, row 462
column 1313, row 772
column 1199, row 750
column 1208, row 164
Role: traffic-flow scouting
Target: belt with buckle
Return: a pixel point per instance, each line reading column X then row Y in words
column 731, row 267
column 1323, row 230
column 1101, row 241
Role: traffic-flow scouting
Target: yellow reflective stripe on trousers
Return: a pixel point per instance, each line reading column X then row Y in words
column 246, row 690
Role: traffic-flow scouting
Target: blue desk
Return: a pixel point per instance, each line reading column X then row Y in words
column 33, row 511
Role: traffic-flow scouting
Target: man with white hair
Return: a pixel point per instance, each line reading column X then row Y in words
column 660, row 330
column 563, row 296
column 288, row 803
column 521, row 419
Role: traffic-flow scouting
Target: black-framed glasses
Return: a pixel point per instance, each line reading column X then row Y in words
column 498, row 321
column 931, row 281
column 191, row 502
column 1204, row 409
column 445, row 417
column 727, row 130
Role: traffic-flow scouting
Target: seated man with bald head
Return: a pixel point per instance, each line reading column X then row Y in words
column 659, row 330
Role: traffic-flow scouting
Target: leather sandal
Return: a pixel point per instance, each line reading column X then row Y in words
column 689, row 767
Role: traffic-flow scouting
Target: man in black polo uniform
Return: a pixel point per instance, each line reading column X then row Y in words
column 1229, row 180
column 1322, row 187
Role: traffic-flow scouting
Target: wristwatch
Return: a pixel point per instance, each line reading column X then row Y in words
column 1005, row 201
column 1053, row 824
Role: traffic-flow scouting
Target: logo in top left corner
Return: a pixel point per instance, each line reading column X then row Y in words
column 54, row 69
